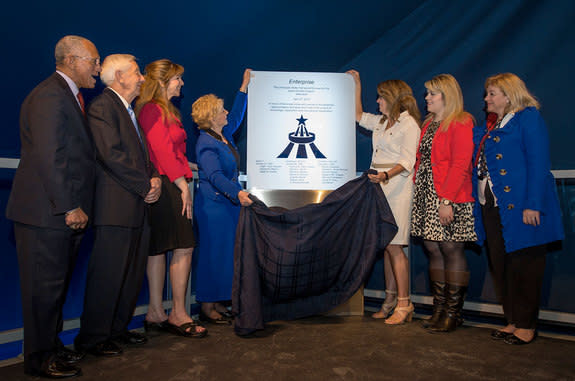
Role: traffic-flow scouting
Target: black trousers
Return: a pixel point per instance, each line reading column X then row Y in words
column 46, row 260
column 518, row 275
column 115, row 274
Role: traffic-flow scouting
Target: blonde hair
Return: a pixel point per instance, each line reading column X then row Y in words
column 399, row 98
column 114, row 63
column 450, row 91
column 514, row 89
column 204, row 110
column 158, row 75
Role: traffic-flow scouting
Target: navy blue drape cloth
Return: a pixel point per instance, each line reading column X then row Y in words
column 306, row 261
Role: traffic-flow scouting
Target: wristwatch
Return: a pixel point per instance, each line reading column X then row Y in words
column 446, row 202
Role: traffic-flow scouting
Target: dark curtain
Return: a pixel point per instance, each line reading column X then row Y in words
column 295, row 263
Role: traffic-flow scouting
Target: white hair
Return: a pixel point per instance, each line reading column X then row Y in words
column 114, row 63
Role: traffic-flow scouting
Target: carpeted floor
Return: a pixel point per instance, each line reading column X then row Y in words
column 333, row 348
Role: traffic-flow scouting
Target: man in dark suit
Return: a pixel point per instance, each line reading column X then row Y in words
column 126, row 182
column 51, row 201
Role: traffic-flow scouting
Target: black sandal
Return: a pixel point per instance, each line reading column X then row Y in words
column 155, row 327
column 182, row 330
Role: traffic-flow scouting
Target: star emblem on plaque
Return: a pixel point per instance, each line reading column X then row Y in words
column 303, row 138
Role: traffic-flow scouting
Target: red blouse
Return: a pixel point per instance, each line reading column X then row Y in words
column 451, row 160
column 166, row 142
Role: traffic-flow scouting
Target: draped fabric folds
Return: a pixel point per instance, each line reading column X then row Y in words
column 294, row 263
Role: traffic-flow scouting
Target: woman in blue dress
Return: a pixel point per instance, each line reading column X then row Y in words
column 218, row 200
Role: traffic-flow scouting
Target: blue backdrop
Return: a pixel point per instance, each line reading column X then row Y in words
column 410, row 40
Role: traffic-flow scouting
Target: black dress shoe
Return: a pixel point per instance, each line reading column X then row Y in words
column 133, row 338
column 68, row 356
column 105, row 349
column 514, row 340
column 499, row 335
column 57, row 369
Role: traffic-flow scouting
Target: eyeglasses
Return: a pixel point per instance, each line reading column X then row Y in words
column 93, row 61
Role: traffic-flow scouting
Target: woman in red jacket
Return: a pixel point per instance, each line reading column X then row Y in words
column 443, row 206
column 171, row 215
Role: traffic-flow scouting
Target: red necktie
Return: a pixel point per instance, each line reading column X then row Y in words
column 81, row 100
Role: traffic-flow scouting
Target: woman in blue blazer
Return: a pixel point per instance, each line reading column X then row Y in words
column 218, row 200
column 516, row 210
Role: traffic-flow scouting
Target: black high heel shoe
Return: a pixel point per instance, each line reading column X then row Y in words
column 227, row 315
column 220, row 320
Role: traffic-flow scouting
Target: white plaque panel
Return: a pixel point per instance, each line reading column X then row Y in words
column 301, row 130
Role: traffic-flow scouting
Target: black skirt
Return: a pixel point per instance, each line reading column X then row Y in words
column 170, row 230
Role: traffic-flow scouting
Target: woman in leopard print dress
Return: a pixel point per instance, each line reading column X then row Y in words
column 443, row 206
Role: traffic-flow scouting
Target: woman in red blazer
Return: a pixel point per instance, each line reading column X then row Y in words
column 171, row 216
column 443, row 206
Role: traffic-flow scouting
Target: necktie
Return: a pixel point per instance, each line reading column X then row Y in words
column 133, row 117
column 81, row 101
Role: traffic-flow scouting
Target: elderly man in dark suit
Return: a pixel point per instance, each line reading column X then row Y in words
column 126, row 182
column 51, row 201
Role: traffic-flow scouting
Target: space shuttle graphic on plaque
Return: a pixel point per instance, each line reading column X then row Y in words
column 303, row 138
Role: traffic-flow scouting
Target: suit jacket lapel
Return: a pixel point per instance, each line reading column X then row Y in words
column 72, row 98
column 127, row 121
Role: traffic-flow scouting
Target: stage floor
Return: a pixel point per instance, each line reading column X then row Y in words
column 333, row 348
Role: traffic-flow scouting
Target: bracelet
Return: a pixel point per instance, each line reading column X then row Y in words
column 386, row 176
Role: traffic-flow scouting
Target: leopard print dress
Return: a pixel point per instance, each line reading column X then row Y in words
column 425, row 215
